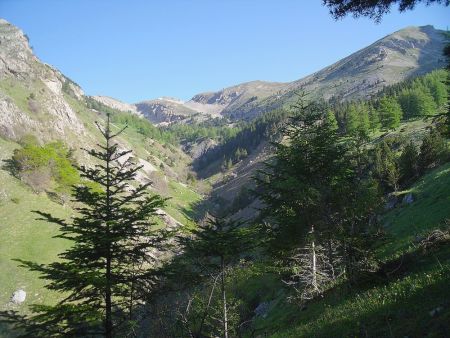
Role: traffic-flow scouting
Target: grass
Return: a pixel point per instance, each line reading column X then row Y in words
column 24, row 237
column 430, row 209
column 397, row 307
column 181, row 205
column 17, row 92
column 400, row 308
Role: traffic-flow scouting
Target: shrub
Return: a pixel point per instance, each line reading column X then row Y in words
column 39, row 165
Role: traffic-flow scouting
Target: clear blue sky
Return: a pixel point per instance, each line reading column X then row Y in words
column 136, row 50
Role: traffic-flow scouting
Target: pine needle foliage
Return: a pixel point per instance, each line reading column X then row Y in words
column 105, row 273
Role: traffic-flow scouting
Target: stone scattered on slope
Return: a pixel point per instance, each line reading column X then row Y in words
column 408, row 198
column 18, row 297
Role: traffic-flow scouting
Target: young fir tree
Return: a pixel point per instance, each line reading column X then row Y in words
column 215, row 245
column 386, row 165
column 352, row 119
column 106, row 271
column 433, row 151
column 409, row 163
column 374, row 118
column 298, row 185
column 316, row 185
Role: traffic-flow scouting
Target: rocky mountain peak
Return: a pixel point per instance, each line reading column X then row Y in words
column 15, row 51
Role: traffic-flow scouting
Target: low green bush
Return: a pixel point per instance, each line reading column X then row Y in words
column 41, row 166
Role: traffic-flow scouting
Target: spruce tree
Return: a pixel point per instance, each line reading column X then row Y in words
column 317, row 185
column 107, row 269
column 214, row 246
column 409, row 163
column 386, row 165
column 298, row 184
column 433, row 151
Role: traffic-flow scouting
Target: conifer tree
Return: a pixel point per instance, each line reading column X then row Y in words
column 433, row 151
column 409, row 163
column 316, row 185
column 386, row 166
column 298, row 184
column 106, row 271
column 214, row 246
column 331, row 117
column 390, row 112
column 374, row 118
column 352, row 120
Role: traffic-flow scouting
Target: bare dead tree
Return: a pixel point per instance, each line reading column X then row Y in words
column 311, row 270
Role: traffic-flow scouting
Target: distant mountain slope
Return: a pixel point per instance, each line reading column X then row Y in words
column 116, row 104
column 408, row 52
column 164, row 110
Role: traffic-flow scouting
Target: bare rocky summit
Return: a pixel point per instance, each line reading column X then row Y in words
column 31, row 92
column 404, row 54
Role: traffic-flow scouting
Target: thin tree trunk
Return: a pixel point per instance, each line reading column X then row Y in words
column 314, row 267
column 208, row 305
column 108, row 303
column 224, row 298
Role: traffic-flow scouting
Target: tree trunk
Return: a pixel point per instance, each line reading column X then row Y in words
column 108, row 303
column 108, row 319
column 208, row 305
column 224, row 298
column 314, row 259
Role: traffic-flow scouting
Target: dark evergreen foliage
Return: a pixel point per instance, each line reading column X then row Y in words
column 211, row 249
column 107, row 270
column 246, row 140
column 433, row 151
column 374, row 9
column 317, row 181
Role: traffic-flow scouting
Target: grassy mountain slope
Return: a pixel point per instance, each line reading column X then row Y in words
column 410, row 297
column 37, row 100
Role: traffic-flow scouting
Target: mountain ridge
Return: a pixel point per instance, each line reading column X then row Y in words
column 403, row 54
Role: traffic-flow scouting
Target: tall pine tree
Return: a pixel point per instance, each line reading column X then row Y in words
column 106, row 271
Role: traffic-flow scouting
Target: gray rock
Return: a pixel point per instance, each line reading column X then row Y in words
column 262, row 309
column 18, row 297
column 408, row 199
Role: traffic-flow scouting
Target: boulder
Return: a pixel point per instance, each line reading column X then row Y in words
column 262, row 309
column 408, row 199
column 18, row 297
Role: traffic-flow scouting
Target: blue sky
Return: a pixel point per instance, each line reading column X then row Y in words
column 136, row 50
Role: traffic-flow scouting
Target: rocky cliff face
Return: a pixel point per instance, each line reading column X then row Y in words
column 32, row 93
column 36, row 99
